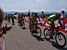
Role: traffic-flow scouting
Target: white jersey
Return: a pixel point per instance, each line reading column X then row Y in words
column 56, row 23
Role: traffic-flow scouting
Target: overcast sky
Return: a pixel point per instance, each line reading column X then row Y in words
column 33, row 5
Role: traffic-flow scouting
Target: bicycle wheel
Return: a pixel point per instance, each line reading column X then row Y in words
column 46, row 34
column 60, row 39
column 31, row 28
column 38, row 32
column 23, row 24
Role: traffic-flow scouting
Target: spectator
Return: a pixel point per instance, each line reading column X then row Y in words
column 2, row 43
column 10, row 16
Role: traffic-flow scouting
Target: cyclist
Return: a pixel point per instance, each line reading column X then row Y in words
column 33, row 20
column 62, row 18
column 62, row 14
column 53, row 21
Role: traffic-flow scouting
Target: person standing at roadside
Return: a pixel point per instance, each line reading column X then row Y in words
column 2, row 42
column 8, row 16
column 12, row 18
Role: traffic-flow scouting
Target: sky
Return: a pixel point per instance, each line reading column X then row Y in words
column 33, row 5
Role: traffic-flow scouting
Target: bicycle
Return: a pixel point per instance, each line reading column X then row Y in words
column 35, row 29
column 57, row 34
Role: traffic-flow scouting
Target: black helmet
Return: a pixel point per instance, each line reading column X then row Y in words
column 63, row 11
column 42, row 11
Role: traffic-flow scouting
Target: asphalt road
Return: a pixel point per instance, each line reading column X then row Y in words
column 21, row 39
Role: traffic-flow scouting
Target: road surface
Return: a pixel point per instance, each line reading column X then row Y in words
column 21, row 39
